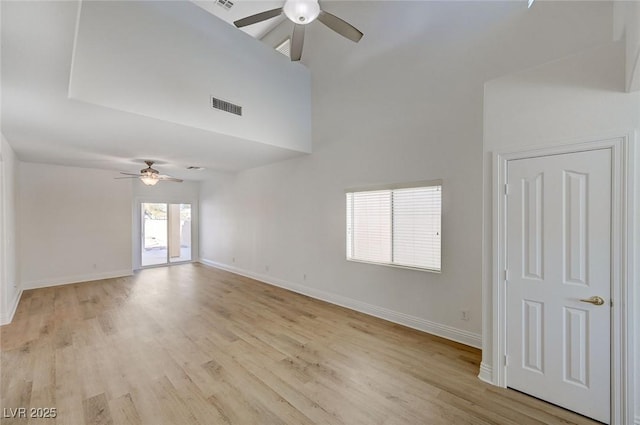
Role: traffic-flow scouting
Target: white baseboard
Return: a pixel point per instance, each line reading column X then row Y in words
column 7, row 316
column 486, row 373
column 637, row 421
column 444, row 331
column 35, row 284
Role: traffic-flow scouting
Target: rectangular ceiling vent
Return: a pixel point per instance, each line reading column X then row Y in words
column 225, row 4
column 223, row 105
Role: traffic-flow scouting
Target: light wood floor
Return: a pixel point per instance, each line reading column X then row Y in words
column 194, row 345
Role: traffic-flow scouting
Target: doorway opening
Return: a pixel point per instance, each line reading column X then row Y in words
column 165, row 233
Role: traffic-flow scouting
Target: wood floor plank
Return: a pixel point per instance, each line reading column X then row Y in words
column 174, row 408
column 96, row 410
column 68, row 403
column 147, row 404
column 123, row 411
column 191, row 344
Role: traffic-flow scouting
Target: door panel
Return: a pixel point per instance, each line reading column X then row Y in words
column 575, row 227
column 166, row 233
column 174, row 232
column 532, row 227
column 154, row 234
column 558, row 253
column 575, row 345
column 532, row 335
column 181, row 233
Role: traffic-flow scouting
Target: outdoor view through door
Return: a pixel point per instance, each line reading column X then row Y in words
column 166, row 233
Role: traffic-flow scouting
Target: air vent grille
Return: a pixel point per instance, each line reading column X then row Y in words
column 225, row 4
column 285, row 47
column 223, row 105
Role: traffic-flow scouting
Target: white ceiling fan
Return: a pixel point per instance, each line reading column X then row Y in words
column 150, row 176
column 301, row 13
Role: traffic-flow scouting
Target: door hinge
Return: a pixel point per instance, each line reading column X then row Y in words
column 611, row 302
column 506, row 360
column 506, row 188
column 506, row 275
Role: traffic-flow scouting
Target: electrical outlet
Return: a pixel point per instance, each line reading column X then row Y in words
column 464, row 315
column 304, row 276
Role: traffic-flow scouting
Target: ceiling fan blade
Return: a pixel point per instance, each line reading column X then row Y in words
column 149, row 173
column 343, row 28
column 297, row 40
column 169, row 179
column 258, row 17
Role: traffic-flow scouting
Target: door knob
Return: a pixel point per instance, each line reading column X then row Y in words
column 595, row 300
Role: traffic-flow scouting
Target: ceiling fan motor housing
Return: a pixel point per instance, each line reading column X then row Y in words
column 302, row 11
column 148, row 170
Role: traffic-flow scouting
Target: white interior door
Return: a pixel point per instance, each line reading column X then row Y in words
column 559, row 254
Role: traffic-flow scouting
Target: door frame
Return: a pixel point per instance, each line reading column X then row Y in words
column 622, row 270
column 136, row 232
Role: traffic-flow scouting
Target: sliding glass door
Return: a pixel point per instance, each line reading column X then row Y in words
column 166, row 233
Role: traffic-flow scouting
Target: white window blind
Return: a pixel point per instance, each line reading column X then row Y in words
column 400, row 227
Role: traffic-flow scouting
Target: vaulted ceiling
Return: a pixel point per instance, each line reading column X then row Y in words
column 71, row 94
column 408, row 40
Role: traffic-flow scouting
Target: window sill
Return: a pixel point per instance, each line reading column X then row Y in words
column 395, row 266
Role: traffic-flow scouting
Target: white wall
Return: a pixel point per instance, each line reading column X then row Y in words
column 9, row 285
column 627, row 27
column 406, row 106
column 187, row 192
column 164, row 59
column 580, row 97
column 74, row 225
column 285, row 224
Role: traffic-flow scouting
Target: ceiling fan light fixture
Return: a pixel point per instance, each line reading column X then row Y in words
column 302, row 11
column 149, row 176
column 150, row 180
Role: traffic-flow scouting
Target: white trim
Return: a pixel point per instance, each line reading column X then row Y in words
column 486, row 372
column 395, row 186
column 397, row 266
column 498, row 312
column 444, row 331
column 633, row 83
column 136, row 226
column 44, row 283
column 630, row 321
column 174, row 263
column 8, row 318
column 74, row 48
column 622, row 391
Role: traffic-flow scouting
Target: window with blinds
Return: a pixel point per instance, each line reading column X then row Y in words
column 399, row 226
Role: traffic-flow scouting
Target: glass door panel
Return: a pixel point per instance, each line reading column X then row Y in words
column 154, row 234
column 179, row 232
